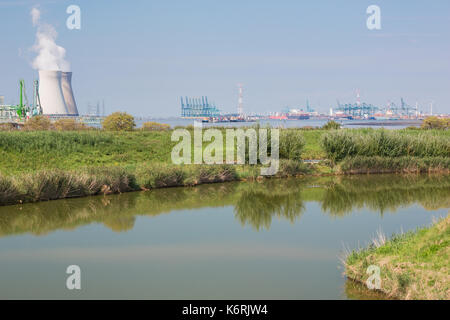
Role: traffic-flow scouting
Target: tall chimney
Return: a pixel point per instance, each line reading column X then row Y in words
column 50, row 92
column 66, row 85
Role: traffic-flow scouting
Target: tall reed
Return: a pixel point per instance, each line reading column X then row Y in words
column 349, row 143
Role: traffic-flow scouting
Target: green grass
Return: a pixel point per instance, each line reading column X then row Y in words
column 31, row 151
column 65, row 158
column 414, row 265
column 34, row 150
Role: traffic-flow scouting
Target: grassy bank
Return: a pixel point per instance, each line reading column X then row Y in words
column 47, row 185
column 413, row 265
column 46, row 165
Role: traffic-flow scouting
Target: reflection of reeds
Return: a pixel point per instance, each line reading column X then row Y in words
column 258, row 203
column 255, row 203
column 386, row 192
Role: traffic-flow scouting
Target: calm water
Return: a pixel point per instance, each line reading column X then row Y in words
column 264, row 240
column 397, row 124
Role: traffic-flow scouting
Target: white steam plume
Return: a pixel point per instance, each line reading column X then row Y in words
column 50, row 56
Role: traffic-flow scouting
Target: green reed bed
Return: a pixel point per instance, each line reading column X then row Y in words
column 341, row 144
column 404, row 164
column 47, row 185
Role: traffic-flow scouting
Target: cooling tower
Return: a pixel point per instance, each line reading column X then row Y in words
column 50, row 93
column 66, row 85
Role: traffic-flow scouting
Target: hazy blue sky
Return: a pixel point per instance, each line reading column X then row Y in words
column 140, row 56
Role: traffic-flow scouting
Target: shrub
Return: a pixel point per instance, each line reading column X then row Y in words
column 155, row 126
column 291, row 144
column 331, row 125
column 68, row 125
column 119, row 121
column 289, row 168
column 37, row 123
column 435, row 123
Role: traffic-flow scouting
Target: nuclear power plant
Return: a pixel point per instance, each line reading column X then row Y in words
column 56, row 94
column 52, row 97
column 66, row 85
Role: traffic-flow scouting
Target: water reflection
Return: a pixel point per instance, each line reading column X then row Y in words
column 258, row 202
column 255, row 203
column 358, row 291
column 383, row 193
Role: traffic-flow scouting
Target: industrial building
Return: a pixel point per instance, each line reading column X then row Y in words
column 52, row 96
column 56, row 94
column 198, row 108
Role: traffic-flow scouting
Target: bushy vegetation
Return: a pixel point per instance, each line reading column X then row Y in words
column 436, row 123
column 383, row 143
column 292, row 144
column 331, row 125
column 67, row 124
column 290, row 168
column 37, row 123
column 155, row 126
column 119, row 121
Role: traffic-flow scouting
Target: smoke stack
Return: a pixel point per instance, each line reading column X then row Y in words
column 50, row 92
column 66, row 85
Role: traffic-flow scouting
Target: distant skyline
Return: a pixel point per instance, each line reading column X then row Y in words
column 141, row 56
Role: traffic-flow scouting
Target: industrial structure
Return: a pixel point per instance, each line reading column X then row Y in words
column 52, row 97
column 51, row 94
column 56, row 94
column 198, row 108
column 240, row 106
column 24, row 109
column 365, row 110
column 66, row 85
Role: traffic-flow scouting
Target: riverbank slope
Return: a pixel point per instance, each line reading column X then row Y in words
column 413, row 265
